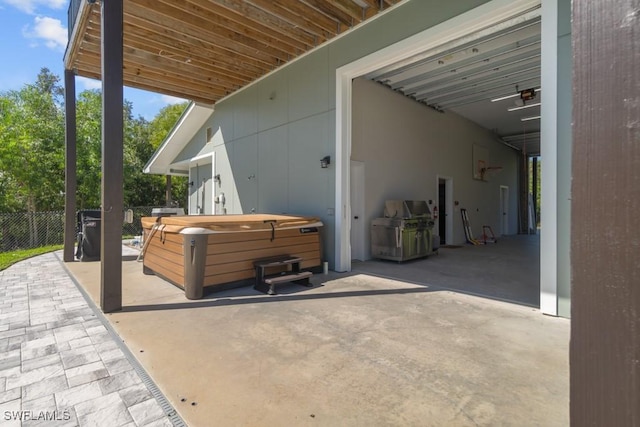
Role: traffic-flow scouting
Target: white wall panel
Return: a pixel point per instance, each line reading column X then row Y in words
column 308, row 182
column 273, row 101
column 244, row 165
column 244, row 106
column 406, row 145
column 309, row 86
column 193, row 148
column 221, row 123
column 273, row 171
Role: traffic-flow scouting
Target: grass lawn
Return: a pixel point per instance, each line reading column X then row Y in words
column 9, row 258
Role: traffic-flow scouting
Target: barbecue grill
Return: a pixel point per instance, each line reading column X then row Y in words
column 405, row 231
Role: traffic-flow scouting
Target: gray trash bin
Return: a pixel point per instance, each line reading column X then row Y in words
column 88, row 235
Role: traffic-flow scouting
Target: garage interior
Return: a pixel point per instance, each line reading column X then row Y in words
column 492, row 78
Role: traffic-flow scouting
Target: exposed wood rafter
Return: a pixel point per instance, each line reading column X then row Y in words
column 204, row 50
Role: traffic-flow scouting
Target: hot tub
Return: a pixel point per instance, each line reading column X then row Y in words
column 195, row 252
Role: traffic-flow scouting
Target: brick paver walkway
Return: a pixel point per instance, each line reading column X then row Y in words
column 59, row 363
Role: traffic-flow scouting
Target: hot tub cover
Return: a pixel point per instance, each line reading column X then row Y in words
column 230, row 223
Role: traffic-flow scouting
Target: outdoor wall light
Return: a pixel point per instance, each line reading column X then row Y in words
column 325, row 162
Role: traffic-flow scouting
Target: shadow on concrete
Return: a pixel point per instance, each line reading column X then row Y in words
column 270, row 299
column 227, row 301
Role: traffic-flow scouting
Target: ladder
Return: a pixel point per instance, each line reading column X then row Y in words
column 467, row 228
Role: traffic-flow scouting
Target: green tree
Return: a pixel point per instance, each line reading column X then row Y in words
column 8, row 190
column 89, row 148
column 32, row 147
column 159, row 129
column 140, row 189
column 32, row 143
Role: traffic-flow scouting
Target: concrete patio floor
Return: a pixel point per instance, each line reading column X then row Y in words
column 356, row 349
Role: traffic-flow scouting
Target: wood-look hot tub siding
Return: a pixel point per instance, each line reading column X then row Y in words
column 230, row 256
column 230, row 252
column 165, row 256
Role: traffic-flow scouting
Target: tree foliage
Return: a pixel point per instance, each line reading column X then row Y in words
column 159, row 128
column 32, row 149
column 32, row 145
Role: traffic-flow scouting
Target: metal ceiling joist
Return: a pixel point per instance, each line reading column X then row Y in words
column 495, row 37
column 486, row 61
column 507, row 87
column 472, row 77
column 464, row 75
column 485, row 86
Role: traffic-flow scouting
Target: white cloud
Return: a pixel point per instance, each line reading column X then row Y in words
column 30, row 6
column 89, row 84
column 49, row 30
column 170, row 100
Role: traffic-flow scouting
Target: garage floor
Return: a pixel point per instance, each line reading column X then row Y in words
column 507, row 271
column 356, row 349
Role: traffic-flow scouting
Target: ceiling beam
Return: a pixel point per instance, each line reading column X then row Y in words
column 328, row 8
column 92, row 56
column 300, row 15
column 191, row 45
column 210, row 15
column 250, row 15
column 181, row 22
column 140, row 82
column 206, row 49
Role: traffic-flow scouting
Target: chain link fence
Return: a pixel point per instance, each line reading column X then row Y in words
column 27, row 230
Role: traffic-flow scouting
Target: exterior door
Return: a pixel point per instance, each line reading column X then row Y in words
column 442, row 210
column 444, row 223
column 504, row 210
column 358, row 225
column 201, row 189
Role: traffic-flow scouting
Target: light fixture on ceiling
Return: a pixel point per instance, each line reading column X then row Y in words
column 528, row 94
column 519, row 94
column 526, row 119
column 522, row 107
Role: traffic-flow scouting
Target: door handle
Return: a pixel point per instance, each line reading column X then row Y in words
column 356, row 217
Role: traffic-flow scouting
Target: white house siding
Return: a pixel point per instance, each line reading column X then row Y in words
column 269, row 137
column 406, row 145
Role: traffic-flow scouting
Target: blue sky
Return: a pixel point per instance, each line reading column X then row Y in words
column 33, row 35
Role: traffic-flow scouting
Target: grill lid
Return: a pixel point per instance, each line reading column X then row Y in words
column 417, row 208
column 406, row 209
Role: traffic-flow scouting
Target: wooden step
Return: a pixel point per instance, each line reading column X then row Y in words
column 294, row 277
column 268, row 285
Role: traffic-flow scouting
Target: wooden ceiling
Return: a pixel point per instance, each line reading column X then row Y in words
column 203, row 50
